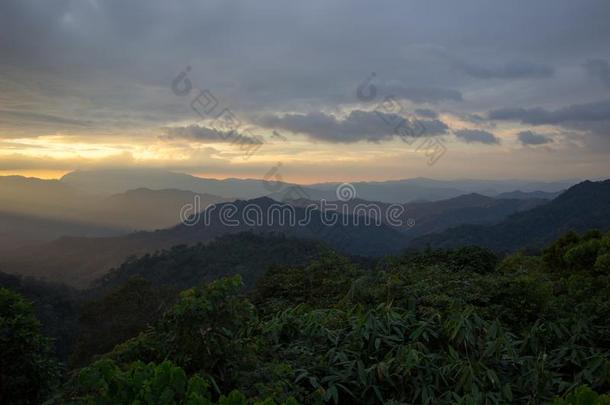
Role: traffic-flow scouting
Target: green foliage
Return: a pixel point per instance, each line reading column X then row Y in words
column 431, row 327
column 320, row 284
column 247, row 254
column 583, row 395
column 206, row 331
column 516, row 296
column 56, row 306
column 28, row 371
column 588, row 252
column 104, row 382
column 553, row 255
column 582, row 256
column 118, row 316
column 391, row 353
column 602, row 264
column 520, row 263
column 470, row 258
column 203, row 331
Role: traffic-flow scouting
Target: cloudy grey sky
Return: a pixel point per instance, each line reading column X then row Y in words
column 335, row 90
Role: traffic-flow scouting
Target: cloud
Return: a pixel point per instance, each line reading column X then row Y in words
column 433, row 127
column 598, row 69
column 595, row 111
column 511, row 70
column 110, row 64
column 425, row 94
column 208, row 135
column 426, row 112
column 532, row 138
column 26, row 116
column 477, row 136
column 358, row 125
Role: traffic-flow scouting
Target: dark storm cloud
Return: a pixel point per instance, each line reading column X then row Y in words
column 595, row 111
column 511, row 70
column 370, row 126
column 297, row 51
column 477, row 136
column 598, row 69
column 532, row 138
column 208, row 135
column 117, row 58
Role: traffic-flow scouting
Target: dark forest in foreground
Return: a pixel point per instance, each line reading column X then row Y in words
column 434, row 326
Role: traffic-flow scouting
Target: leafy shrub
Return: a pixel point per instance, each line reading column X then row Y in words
column 320, row 284
column 470, row 258
column 553, row 255
column 104, row 382
column 203, row 331
column 583, row 395
column 520, row 263
column 574, row 253
column 389, row 353
column 118, row 316
column 583, row 255
column 28, row 371
column 602, row 264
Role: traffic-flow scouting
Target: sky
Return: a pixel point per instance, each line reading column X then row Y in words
column 321, row 90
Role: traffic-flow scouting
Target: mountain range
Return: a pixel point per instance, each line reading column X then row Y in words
column 36, row 215
column 117, row 202
column 78, row 261
column 422, row 218
column 393, row 191
column 583, row 207
column 34, row 210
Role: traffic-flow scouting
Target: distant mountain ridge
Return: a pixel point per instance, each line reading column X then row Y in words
column 120, row 181
column 392, row 191
column 436, row 216
column 580, row 208
column 526, row 195
column 19, row 230
column 421, row 188
column 78, row 261
column 137, row 209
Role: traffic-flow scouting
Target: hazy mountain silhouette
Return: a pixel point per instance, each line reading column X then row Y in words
column 140, row 209
column 472, row 208
column 78, row 261
column 582, row 207
column 80, row 197
column 150, row 209
column 422, row 188
column 121, row 180
column 526, row 195
column 394, row 191
column 18, row 230
column 436, row 216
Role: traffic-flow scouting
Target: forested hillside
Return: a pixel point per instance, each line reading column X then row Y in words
column 248, row 254
column 432, row 327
